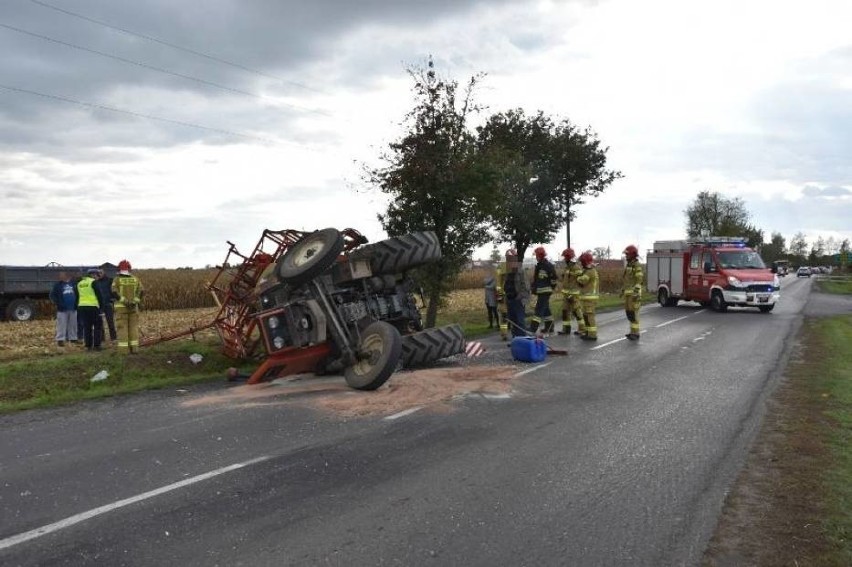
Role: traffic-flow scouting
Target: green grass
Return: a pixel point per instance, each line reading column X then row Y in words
column 833, row 385
column 41, row 382
column 842, row 286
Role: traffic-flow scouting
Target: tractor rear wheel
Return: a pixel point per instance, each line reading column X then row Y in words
column 378, row 356
column 431, row 345
column 309, row 257
column 401, row 253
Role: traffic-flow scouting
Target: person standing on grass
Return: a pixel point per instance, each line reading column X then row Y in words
column 491, row 301
column 104, row 284
column 89, row 309
column 64, row 297
column 127, row 293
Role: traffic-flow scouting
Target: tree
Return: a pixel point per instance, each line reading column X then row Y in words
column 775, row 250
column 712, row 214
column 602, row 253
column 817, row 252
column 799, row 247
column 437, row 179
column 495, row 255
column 545, row 169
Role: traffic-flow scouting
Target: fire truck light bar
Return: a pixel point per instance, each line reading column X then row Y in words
column 719, row 241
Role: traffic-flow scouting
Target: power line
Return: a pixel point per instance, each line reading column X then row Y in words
column 146, row 116
column 158, row 69
column 175, row 46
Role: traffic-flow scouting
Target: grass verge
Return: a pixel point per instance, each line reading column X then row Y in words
column 833, row 388
column 842, row 286
column 39, row 382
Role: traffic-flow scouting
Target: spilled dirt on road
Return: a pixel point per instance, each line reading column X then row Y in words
column 404, row 390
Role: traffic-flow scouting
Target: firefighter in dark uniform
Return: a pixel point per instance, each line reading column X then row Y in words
column 631, row 290
column 543, row 283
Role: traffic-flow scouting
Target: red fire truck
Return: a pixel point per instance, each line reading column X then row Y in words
column 715, row 271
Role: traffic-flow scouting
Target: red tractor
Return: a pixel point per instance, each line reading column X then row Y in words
column 335, row 304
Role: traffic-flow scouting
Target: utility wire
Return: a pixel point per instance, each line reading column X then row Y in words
column 158, row 69
column 147, row 116
column 175, row 46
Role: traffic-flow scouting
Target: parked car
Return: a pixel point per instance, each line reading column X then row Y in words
column 803, row 272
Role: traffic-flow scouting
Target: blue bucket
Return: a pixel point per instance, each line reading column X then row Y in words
column 528, row 349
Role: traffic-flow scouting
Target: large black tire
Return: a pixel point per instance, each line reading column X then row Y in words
column 382, row 344
column 309, row 257
column 431, row 344
column 717, row 302
column 766, row 308
column 401, row 253
column 20, row 310
column 664, row 299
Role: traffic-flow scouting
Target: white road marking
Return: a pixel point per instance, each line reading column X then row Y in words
column 403, row 413
column 672, row 321
column 82, row 517
column 642, row 332
column 609, row 343
column 533, row 369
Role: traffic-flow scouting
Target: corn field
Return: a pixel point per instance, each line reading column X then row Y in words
column 167, row 290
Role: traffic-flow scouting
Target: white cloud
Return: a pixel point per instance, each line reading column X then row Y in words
column 748, row 99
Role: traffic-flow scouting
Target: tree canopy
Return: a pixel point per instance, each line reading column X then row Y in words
column 712, row 214
column 545, row 169
column 437, row 179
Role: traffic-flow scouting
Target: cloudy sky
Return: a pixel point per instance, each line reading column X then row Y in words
column 157, row 131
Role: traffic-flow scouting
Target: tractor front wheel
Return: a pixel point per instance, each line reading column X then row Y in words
column 309, row 257
column 378, row 356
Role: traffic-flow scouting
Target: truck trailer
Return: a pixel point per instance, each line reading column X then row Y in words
column 22, row 286
column 716, row 272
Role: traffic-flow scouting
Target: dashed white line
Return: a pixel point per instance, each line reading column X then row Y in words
column 403, row 413
column 672, row 321
column 82, row 517
column 533, row 369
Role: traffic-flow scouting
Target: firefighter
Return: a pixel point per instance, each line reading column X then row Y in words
column 571, row 295
column 543, row 283
column 588, row 282
column 631, row 290
column 517, row 293
column 127, row 292
column 502, row 306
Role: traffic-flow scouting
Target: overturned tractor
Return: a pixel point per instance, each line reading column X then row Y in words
column 327, row 302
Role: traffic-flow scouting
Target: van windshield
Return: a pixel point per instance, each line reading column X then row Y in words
column 741, row 260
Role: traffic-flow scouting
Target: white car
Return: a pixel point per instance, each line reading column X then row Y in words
column 803, row 272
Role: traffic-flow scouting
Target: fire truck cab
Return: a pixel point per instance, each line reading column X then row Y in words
column 715, row 271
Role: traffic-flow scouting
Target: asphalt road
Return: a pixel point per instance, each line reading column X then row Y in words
column 618, row 454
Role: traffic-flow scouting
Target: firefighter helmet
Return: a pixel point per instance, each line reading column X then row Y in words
column 124, row 267
column 631, row 252
column 587, row 259
column 568, row 254
column 511, row 253
column 540, row 253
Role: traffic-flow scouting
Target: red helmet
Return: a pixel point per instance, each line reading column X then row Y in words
column 568, row 254
column 586, row 259
column 540, row 252
column 124, row 266
column 631, row 252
